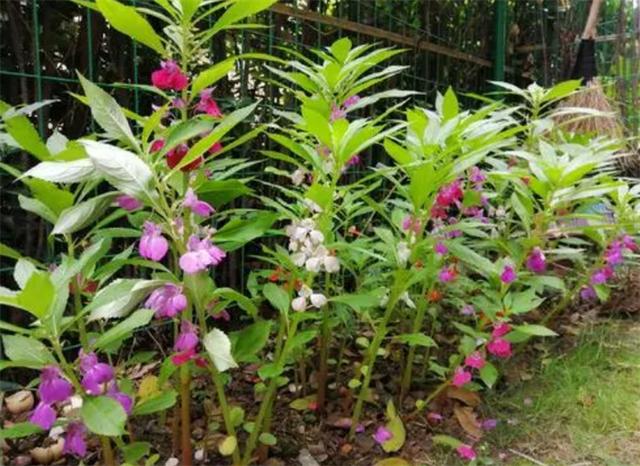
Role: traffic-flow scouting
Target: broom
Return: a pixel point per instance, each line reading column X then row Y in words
column 591, row 96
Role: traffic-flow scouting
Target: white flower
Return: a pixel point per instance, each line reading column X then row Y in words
column 318, row 300
column 316, row 236
column 297, row 177
column 408, row 301
column 305, row 291
column 314, row 264
column 403, row 252
column 299, row 258
column 299, row 304
column 384, row 300
column 331, row 264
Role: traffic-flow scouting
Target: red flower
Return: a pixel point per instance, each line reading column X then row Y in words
column 175, row 156
column 169, row 77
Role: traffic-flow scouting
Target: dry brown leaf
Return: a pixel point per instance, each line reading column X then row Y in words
column 468, row 420
column 467, row 397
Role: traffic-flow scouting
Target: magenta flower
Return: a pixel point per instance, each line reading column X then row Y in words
column 440, row 248
column 449, row 194
column 601, row 276
column 215, row 147
column 354, row 160
column 129, row 203
column 613, row 255
column 461, row 377
column 466, row 452
column 629, row 242
column 475, row 360
column 167, row 301
column 499, row 347
column 208, row 105
column 186, row 343
column 74, row 440
column 201, row 254
column 153, row 245
column 382, row 435
column 587, row 293
column 411, row 223
column 95, row 374
column 500, row 329
column 489, row 424
column 53, row 388
column 351, row 101
column 337, row 113
column 447, row 274
column 156, row 145
column 125, row 400
column 169, row 77
column 508, row 275
column 536, row 262
column 198, row 207
column 43, row 416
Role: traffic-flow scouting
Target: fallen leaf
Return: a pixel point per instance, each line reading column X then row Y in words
column 302, row 404
column 468, row 420
column 228, row 445
column 396, row 461
column 396, row 427
column 467, row 397
column 148, row 387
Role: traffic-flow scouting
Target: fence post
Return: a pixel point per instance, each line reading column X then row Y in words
column 500, row 35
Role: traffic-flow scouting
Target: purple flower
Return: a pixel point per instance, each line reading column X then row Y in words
column 447, row 274
column 74, row 440
column 167, row 301
column 477, row 176
column 613, row 254
column 201, row 254
column 536, row 262
column 44, row 416
column 489, row 424
column 351, row 101
column 440, row 248
column 129, row 203
column 467, row 310
column 198, row 207
column 187, row 338
column 508, row 275
column 53, row 388
column 153, row 245
column 382, row 435
column 599, row 277
column 629, row 243
column 95, row 374
column 125, row 400
column 359, row 428
column 337, row 113
column 587, row 293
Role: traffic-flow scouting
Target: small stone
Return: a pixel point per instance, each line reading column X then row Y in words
column 19, row 402
column 173, row 461
column 21, row 460
column 306, row 459
column 199, row 454
column 346, row 449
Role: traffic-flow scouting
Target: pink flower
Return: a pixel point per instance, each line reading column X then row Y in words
column 440, row 248
column 411, row 223
column 475, row 360
column 337, row 113
column 167, row 301
column 466, row 452
column 208, row 105
column 153, row 245
column 351, row 101
column 382, row 435
column 508, row 275
column 536, row 262
column 74, row 440
column 175, row 156
column 129, row 203
column 216, row 147
column 169, row 77
column 449, row 194
column 461, row 377
column 53, row 388
column 354, row 160
column 200, row 255
column 500, row 329
column 43, row 416
column 499, row 347
column 587, row 293
column 198, row 207
column 185, row 344
column 156, row 145
column 95, row 374
column 434, row 417
column 447, row 274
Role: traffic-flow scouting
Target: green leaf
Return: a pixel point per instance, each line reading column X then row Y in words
column 247, row 342
column 536, row 330
column 134, row 452
column 27, row 137
column 83, row 214
column 278, row 298
column 238, row 11
column 320, row 194
column 268, row 439
column 525, row 301
column 396, row 427
column 446, row 440
column 161, row 402
column 6, row 251
column 37, row 207
column 241, row 300
column 211, row 75
column 450, row 108
column 341, row 48
column 120, row 297
column 489, row 374
column 107, row 112
column 38, row 294
column 124, row 329
column 124, row 170
column 20, row 430
column 359, row 301
column 63, row 172
column 129, row 22
column 103, row 416
column 303, row 404
column 26, row 350
column 228, row 445
column 416, row 339
column 22, row 271
column 50, row 195
column 239, row 231
column 218, row 346
column 221, row 192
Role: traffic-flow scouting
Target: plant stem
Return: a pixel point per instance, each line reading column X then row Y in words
column 185, row 414
column 325, row 337
column 381, row 332
column 107, row 451
column 405, row 384
column 77, row 300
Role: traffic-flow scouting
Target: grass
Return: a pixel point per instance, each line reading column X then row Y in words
column 581, row 407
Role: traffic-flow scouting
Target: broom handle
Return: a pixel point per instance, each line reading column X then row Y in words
column 592, row 20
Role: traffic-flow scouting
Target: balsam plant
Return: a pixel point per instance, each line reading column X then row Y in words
column 444, row 258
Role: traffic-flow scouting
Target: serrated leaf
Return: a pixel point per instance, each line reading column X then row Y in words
column 63, row 172
column 218, row 346
column 161, row 402
column 26, row 350
column 103, row 416
column 81, row 215
column 128, row 21
column 124, row 329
